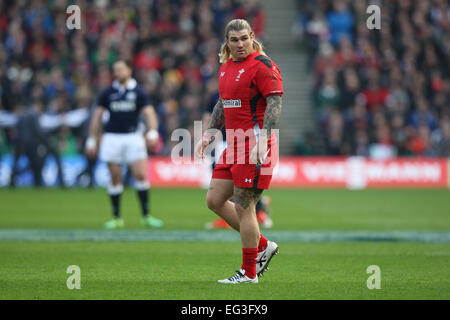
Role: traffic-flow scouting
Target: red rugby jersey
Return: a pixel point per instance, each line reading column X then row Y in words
column 243, row 87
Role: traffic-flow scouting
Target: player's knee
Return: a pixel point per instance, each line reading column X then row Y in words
column 242, row 209
column 213, row 202
column 116, row 178
column 239, row 208
column 139, row 176
column 210, row 203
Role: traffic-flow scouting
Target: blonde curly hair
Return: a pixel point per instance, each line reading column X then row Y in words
column 237, row 25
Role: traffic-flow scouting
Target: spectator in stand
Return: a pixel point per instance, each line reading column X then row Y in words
column 360, row 143
column 422, row 116
column 350, row 88
column 318, row 32
column 252, row 12
column 374, row 94
column 335, row 135
column 399, row 133
column 441, row 138
column 345, row 57
column 341, row 21
column 328, row 95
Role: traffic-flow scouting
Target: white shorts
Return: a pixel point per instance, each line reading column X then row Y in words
column 122, row 147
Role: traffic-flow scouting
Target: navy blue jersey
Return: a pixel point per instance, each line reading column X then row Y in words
column 124, row 105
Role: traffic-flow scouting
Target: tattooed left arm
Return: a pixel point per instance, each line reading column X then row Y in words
column 272, row 114
column 271, row 117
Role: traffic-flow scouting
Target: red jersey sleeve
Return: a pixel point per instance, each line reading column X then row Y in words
column 268, row 78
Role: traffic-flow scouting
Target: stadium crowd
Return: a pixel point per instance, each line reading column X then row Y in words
column 47, row 69
column 382, row 92
column 376, row 93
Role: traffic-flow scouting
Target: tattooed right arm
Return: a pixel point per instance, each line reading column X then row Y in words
column 217, row 117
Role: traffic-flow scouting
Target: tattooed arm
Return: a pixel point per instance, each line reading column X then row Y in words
column 217, row 117
column 271, row 117
column 272, row 114
column 217, row 121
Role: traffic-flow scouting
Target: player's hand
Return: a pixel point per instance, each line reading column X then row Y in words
column 152, row 137
column 201, row 146
column 259, row 151
column 91, row 153
column 91, row 148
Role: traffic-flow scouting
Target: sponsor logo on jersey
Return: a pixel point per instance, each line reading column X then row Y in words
column 231, row 103
column 222, row 73
column 122, row 106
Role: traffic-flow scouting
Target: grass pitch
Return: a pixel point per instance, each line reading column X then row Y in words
column 189, row 269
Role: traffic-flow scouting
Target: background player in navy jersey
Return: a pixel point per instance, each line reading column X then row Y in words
column 121, row 143
column 262, row 206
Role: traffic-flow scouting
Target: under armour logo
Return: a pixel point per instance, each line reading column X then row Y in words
column 239, row 76
column 248, row 180
column 222, row 74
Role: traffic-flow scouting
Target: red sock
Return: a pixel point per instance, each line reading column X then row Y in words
column 262, row 245
column 249, row 256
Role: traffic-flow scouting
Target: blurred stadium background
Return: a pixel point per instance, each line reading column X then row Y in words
column 350, row 91
column 362, row 109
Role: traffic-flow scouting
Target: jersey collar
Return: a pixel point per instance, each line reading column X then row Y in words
column 131, row 84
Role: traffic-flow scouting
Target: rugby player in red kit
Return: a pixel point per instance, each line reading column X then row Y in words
column 249, row 105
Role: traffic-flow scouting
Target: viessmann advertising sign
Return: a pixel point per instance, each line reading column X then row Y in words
column 293, row 172
column 358, row 173
column 290, row 172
